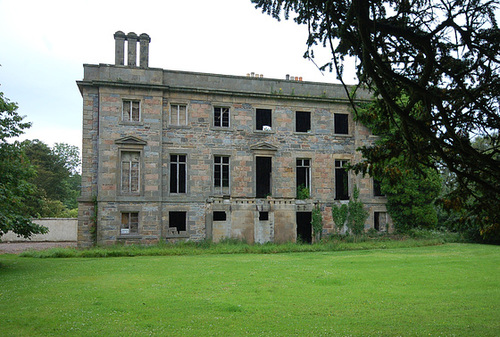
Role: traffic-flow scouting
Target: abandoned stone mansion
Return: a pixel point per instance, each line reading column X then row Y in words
column 175, row 155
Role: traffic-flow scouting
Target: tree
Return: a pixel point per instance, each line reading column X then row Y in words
column 443, row 56
column 15, row 173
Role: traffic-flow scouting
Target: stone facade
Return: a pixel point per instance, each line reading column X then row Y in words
column 170, row 155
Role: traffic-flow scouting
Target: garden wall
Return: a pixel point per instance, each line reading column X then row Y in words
column 60, row 229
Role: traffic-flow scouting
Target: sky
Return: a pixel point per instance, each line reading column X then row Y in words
column 44, row 45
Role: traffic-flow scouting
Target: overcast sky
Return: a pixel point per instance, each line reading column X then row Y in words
column 44, row 45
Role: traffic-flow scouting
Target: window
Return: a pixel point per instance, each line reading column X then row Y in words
column 221, row 117
column 221, row 174
column 341, row 180
column 177, row 173
column 263, row 119
column 131, row 111
column 263, row 168
column 302, row 121
column 130, row 223
column 219, row 216
column 341, row 124
column 303, row 178
column 178, row 115
column 263, row 216
column 177, row 220
column 377, row 191
column 380, row 221
column 130, row 172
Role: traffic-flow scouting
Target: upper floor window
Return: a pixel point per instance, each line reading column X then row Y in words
column 131, row 111
column 377, row 189
column 177, row 173
column 130, row 223
column 341, row 124
column 263, row 119
column 130, row 172
column 302, row 121
column 303, row 178
column 341, row 180
column 221, row 174
column 178, row 115
column 221, row 117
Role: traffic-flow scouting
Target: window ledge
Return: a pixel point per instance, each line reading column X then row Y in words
column 264, row 132
column 129, row 237
column 179, row 126
column 220, row 128
column 131, row 123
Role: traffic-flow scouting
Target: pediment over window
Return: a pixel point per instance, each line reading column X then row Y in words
column 263, row 147
column 130, row 140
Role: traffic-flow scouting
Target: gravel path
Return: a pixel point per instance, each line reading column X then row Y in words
column 19, row 247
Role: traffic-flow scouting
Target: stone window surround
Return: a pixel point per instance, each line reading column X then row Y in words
column 350, row 123
column 128, row 209
column 273, row 119
column 121, row 150
column 215, row 188
column 178, row 103
column 184, row 194
column 295, row 122
column 123, row 119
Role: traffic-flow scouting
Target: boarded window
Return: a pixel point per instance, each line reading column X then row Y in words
column 177, row 173
column 130, row 223
column 341, row 124
column 130, row 172
column 178, row 115
column 263, row 168
column 219, row 216
column 177, row 220
column 131, row 111
column 302, row 121
column 221, row 174
column 341, row 180
column 263, row 119
column 221, row 117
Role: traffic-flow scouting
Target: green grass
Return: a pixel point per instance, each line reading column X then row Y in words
column 444, row 290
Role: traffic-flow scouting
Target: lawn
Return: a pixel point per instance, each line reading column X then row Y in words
column 445, row 290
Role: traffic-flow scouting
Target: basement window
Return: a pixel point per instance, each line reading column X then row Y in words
column 131, row 111
column 302, row 121
column 341, row 124
column 219, row 216
column 263, row 119
column 263, row 216
column 130, row 223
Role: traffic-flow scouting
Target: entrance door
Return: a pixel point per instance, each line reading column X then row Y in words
column 304, row 227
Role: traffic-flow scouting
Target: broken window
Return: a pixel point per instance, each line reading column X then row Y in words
column 263, row 167
column 263, row 216
column 377, row 190
column 178, row 115
column 341, row 180
column 263, row 119
column 177, row 220
column 219, row 216
column 380, row 220
column 177, row 173
column 341, row 124
column 130, row 172
column 130, row 223
column 221, row 117
column 303, row 178
column 302, row 121
column 131, row 111
column 221, row 174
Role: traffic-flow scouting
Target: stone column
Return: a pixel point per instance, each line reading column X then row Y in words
column 132, row 49
column 144, row 43
column 119, row 48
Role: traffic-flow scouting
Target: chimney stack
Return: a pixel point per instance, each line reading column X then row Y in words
column 132, row 40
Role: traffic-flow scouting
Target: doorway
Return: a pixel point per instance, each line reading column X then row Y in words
column 304, row 227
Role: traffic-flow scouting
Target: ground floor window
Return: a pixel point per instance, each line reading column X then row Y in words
column 130, row 223
column 380, row 221
column 177, row 220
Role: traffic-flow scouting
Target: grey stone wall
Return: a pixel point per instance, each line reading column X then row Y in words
column 106, row 135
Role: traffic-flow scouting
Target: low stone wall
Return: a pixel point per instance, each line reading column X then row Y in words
column 60, row 229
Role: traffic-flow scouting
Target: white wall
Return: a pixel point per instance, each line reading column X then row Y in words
column 60, row 229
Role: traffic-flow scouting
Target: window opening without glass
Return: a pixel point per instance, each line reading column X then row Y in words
column 177, row 220
column 341, row 180
column 263, row 119
column 302, row 121
column 221, row 117
column 177, row 173
column 131, row 111
column 130, row 223
column 263, row 167
column 341, row 124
